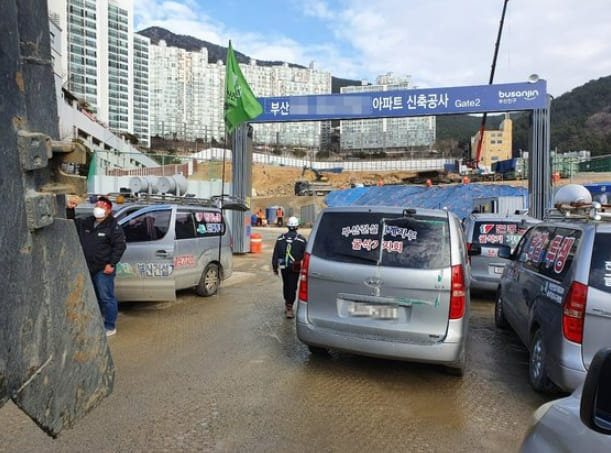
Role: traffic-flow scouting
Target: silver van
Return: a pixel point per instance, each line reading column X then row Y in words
column 386, row 282
column 486, row 233
column 556, row 295
column 172, row 247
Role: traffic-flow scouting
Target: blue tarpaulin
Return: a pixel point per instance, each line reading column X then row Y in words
column 457, row 198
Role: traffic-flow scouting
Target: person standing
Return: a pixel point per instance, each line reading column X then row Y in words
column 103, row 244
column 279, row 216
column 260, row 217
column 289, row 251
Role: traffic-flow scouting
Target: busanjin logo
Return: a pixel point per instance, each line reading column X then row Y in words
column 528, row 95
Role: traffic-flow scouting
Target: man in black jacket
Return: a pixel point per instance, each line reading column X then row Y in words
column 289, row 251
column 103, row 244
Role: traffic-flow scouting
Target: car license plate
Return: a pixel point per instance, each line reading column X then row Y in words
column 373, row 311
column 498, row 269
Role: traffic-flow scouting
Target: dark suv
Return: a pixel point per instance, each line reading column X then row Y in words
column 556, row 294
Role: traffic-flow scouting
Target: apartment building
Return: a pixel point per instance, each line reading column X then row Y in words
column 283, row 80
column 140, row 97
column 99, row 65
column 187, row 96
column 386, row 134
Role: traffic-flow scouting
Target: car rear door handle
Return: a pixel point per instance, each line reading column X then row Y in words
column 162, row 253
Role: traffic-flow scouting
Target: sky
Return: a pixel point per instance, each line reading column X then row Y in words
column 439, row 43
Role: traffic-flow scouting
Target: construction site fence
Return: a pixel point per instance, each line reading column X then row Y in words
column 117, row 164
column 571, row 168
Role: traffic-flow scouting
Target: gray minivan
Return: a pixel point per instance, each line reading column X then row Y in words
column 487, row 232
column 556, row 295
column 172, row 247
column 386, row 282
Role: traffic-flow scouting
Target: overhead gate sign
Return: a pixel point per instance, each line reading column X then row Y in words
column 403, row 103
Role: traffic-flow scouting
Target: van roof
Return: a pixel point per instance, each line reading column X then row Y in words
column 390, row 209
column 510, row 217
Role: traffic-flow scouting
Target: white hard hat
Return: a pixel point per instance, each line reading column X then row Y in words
column 293, row 222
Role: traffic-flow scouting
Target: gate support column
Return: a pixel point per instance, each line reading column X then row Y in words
column 539, row 174
column 241, row 186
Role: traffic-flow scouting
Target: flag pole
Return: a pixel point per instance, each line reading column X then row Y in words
column 240, row 106
column 218, row 274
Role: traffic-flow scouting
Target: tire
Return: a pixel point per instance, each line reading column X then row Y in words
column 458, row 368
column 499, row 314
column 537, row 364
column 209, row 281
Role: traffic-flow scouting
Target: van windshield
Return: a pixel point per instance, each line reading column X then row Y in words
column 493, row 233
column 600, row 268
column 357, row 237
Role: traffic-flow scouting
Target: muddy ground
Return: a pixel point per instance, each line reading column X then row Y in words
column 227, row 374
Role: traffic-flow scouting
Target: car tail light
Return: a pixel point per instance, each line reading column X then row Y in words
column 457, row 295
column 573, row 311
column 468, row 247
column 303, row 278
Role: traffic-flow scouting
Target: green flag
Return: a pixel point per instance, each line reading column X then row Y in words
column 240, row 102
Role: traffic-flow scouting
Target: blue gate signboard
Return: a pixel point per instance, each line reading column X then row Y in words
column 403, row 103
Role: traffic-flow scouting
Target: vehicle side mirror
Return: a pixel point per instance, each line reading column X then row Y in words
column 504, row 251
column 595, row 410
column 475, row 250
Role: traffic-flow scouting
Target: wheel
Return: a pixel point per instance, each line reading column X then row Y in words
column 499, row 315
column 209, row 282
column 458, row 368
column 537, row 373
column 317, row 350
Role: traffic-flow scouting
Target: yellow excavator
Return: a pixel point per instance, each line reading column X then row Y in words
column 320, row 185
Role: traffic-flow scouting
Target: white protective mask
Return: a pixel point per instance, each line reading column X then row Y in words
column 99, row 213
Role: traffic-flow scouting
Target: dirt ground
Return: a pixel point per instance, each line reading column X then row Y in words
column 273, row 180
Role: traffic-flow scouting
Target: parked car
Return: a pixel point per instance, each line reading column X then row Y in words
column 172, row 247
column 486, row 233
column 556, row 294
column 580, row 422
column 386, row 282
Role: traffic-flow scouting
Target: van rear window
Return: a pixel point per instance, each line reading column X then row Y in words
column 366, row 237
column 600, row 268
column 493, row 234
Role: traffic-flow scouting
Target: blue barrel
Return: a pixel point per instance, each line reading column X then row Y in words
column 253, row 219
column 270, row 214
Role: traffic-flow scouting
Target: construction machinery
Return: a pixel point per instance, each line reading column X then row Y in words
column 320, row 185
column 54, row 359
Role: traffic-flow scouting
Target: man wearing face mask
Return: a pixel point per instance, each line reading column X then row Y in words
column 103, row 244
